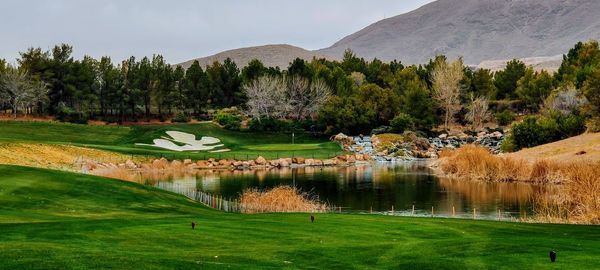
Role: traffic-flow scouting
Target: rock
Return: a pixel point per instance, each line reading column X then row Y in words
column 224, row 163
column 351, row 160
column 443, row 136
column 245, row 164
column 342, row 157
column 298, row 160
column 237, row 163
column 274, row 163
column 328, row 162
column 318, row 162
column 202, row 163
column 187, row 161
column 284, row 163
column 176, row 163
column 309, row 162
column 260, row 160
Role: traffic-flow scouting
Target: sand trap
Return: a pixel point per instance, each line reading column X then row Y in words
column 181, row 141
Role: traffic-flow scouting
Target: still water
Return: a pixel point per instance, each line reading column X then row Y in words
column 378, row 187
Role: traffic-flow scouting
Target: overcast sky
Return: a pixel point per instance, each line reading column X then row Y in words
column 184, row 29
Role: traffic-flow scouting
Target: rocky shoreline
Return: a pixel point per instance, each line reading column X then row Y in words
column 89, row 166
column 409, row 146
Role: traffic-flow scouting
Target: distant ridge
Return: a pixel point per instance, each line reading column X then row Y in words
column 277, row 55
column 477, row 30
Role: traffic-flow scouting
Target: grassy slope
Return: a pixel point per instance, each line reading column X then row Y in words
column 122, row 139
column 565, row 150
column 52, row 219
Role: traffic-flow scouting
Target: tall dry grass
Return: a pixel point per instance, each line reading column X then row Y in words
column 577, row 199
column 280, row 199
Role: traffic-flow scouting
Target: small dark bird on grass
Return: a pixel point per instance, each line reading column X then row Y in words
column 552, row 256
column 312, row 219
column 193, row 226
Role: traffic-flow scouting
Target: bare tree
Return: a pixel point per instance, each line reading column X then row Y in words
column 276, row 97
column 446, row 87
column 478, row 111
column 17, row 90
column 266, row 97
column 304, row 97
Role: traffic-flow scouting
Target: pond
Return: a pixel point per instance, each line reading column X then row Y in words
column 373, row 188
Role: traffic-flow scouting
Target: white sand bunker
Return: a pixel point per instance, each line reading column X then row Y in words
column 181, row 141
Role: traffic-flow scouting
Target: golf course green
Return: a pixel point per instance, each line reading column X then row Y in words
column 60, row 220
column 123, row 139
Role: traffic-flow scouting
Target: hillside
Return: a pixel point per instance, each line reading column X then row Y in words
column 477, row 30
column 270, row 55
column 571, row 149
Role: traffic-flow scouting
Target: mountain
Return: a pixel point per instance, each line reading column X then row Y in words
column 477, row 30
column 270, row 55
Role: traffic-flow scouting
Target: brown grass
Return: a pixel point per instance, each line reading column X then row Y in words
column 576, row 201
column 280, row 199
column 52, row 156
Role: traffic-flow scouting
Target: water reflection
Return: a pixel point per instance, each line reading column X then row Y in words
column 372, row 187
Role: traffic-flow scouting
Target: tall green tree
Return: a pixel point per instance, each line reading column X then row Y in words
column 196, row 85
column 506, row 80
column 533, row 88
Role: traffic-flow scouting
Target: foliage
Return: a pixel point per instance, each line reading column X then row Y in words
column 506, row 80
column 181, row 117
column 504, row 118
column 228, row 120
column 402, row 122
column 268, row 124
column 533, row 88
column 533, row 131
column 591, row 90
column 478, row 111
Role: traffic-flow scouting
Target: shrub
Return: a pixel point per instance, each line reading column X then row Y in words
column 402, row 122
column 504, row 118
column 269, row 124
column 67, row 114
column 535, row 131
column 181, row 117
column 382, row 130
column 228, row 120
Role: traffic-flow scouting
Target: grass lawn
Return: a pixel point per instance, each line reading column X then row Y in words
column 59, row 220
column 123, row 138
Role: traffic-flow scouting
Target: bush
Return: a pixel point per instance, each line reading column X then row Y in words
column 504, row 118
column 402, row 122
column 535, row 131
column 67, row 114
column 269, row 124
column 228, row 120
column 181, row 117
column 382, row 130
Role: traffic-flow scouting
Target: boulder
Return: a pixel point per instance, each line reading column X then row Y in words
column 359, row 157
column 202, row 163
column 351, row 160
column 309, row 162
column 237, row 163
column 284, row 163
column 187, row 161
column 328, row 162
column 260, row 160
column 224, row 163
column 176, row 163
column 298, row 160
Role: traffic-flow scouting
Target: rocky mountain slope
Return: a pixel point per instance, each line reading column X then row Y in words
column 478, row 30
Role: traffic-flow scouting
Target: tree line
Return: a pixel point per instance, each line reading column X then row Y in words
column 352, row 95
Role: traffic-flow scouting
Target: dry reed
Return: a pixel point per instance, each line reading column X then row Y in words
column 280, row 199
column 577, row 199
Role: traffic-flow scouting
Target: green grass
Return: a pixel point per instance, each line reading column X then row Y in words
column 123, row 138
column 60, row 220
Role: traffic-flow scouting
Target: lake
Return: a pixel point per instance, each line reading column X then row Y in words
column 373, row 188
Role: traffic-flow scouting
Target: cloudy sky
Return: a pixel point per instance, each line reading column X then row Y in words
column 184, row 29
